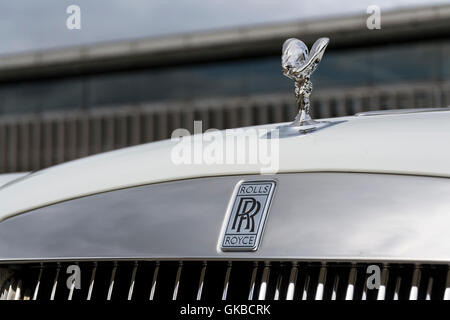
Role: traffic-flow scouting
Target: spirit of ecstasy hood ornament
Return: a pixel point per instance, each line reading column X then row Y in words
column 298, row 64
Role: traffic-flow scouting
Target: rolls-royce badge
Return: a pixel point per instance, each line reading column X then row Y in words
column 246, row 215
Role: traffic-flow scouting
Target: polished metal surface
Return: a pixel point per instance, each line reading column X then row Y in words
column 313, row 216
column 246, row 215
column 399, row 111
column 298, row 64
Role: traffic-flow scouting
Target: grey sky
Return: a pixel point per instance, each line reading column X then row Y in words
column 31, row 25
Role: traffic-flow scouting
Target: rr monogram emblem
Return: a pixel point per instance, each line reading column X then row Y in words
column 247, row 209
column 247, row 215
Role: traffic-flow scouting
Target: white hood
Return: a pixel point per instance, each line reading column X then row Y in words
column 9, row 177
column 416, row 143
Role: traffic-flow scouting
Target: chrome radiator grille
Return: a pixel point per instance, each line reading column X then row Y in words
column 222, row 280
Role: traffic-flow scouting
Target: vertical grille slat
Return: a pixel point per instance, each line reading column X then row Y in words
column 278, row 287
column 91, row 282
column 264, row 282
column 364, row 293
column 201, row 281
column 38, row 283
column 18, row 291
column 154, row 281
column 306, row 287
column 397, row 288
column 226, row 280
column 55, row 284
column 11, row 291
column 384, row 281
column 72, row 288
column 111, row 282
column 429, row 288
column 321, row 283
column 351, row 284
column 133, row 279
column 335, row 288
column 292, row 282
column 177, row 281
column 414, row 293
column 253, row 281
column 447, row 286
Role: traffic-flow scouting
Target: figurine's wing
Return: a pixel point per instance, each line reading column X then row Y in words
column 315, row 55
column 295, row 55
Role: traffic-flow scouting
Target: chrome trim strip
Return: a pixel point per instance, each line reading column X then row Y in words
column 399, row 111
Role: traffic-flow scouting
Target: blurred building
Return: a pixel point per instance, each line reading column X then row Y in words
column 58, row 105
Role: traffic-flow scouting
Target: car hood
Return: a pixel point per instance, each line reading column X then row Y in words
column 416, row 144
column 9, row 177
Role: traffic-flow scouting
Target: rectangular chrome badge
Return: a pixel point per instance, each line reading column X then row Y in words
column 247, row 215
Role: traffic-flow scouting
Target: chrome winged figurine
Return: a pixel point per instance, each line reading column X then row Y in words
column 298, row 64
